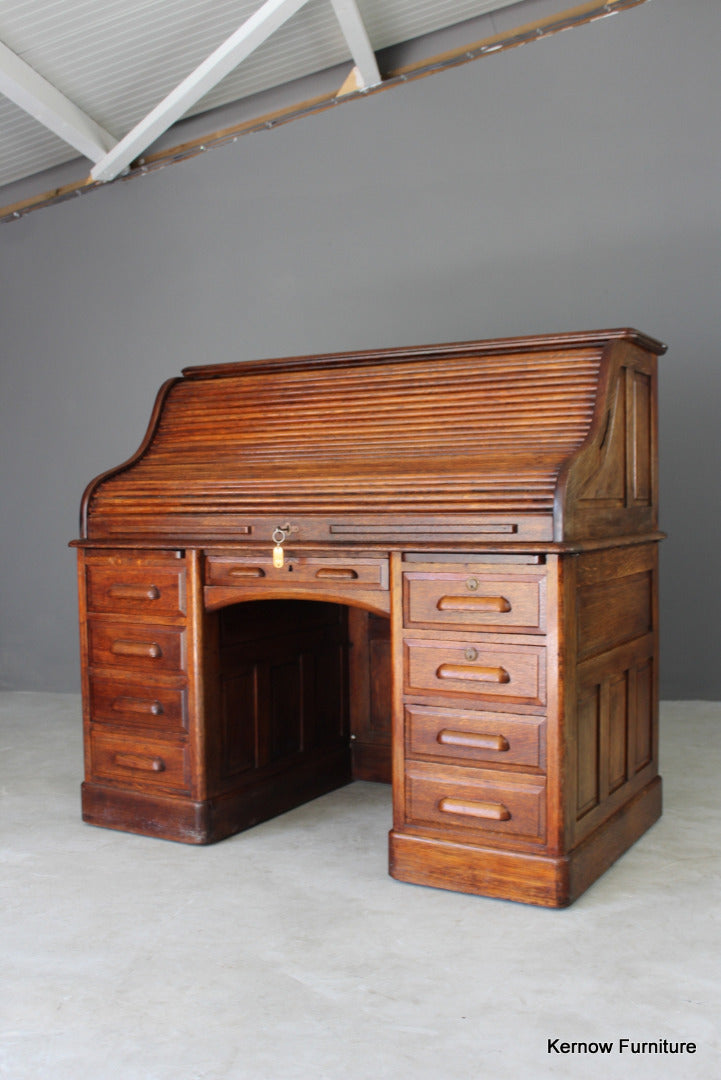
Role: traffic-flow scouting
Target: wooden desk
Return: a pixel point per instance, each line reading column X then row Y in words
column 462, row 598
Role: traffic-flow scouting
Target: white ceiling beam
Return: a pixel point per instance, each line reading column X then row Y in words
column 253, row 32
column 355, row 33
column 22, row 84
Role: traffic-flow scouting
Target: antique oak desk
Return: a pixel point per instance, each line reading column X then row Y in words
column 432, row 563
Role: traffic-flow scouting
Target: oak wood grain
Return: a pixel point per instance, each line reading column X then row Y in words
column 466, row 604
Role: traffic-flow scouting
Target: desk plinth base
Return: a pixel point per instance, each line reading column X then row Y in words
column 531, row 879
column 148, row 815
column 189, row 822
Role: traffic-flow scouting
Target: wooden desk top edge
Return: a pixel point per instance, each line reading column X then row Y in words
column 488, row 347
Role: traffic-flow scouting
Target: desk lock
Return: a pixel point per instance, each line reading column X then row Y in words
column 279, row 535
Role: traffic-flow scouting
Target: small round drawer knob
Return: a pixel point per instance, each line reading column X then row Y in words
column 471, row 653
column 472, row 584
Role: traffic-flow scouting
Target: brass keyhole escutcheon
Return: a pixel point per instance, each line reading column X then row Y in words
column 471, row 653
column 472, row 584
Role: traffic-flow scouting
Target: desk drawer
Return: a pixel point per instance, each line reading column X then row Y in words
column 496, row 738
column 138, row 704
column 147, row 764
column 469, row 599
column 299, row 569
column 142, row 590
column 455, row 798
column 476, row 668
column 135, row 646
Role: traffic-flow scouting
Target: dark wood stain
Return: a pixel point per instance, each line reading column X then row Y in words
column 465, row 605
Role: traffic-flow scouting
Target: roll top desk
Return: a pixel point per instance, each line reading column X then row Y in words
column 436, row 566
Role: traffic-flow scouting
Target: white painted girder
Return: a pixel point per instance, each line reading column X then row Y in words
column 359, row 44
column 253, row 32
column 24, row 86
column 247, row 38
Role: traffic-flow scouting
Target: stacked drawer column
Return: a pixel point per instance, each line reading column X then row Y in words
column 139, row 773
column 472, row 804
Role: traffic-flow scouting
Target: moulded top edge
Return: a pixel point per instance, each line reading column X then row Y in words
column 492, row 346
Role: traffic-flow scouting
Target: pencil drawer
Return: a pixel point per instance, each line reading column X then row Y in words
column 478, row 669
column 138, row 704
column 308, row 571
column 488, row 738
column 146, row 764
column 476, row 800
column 475, row 600
column 135, row 646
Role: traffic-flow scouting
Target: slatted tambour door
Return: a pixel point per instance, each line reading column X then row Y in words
column 431, row 435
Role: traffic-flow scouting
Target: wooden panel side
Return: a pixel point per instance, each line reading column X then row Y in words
column 557, row 667
column 196, row 673
column 613, row 724
column 610, row 487
column 370, row 695
column 84, row 663
column 398, row 737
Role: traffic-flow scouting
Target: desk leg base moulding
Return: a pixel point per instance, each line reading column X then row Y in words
column 433, row 566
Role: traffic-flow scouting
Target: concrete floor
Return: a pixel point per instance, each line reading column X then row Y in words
column 287, row 953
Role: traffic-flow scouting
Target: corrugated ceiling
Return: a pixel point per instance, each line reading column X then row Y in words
column 116, row 59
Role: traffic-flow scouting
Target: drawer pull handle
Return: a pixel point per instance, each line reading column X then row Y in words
column 473, row 674
column 339, row 573
column 247, row 572
column 137, row 705
column 134, row 592
column 474, row 603
column 149, row 650
column 471, row 740
column 140, row 761
column 491, row 811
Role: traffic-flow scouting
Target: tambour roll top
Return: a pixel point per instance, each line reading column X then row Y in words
column 524, row 440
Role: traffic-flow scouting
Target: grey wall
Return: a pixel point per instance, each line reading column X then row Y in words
column 570, row 184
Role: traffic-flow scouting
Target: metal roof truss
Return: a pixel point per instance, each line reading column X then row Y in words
column 32, row 93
